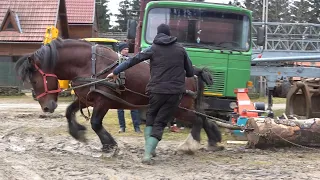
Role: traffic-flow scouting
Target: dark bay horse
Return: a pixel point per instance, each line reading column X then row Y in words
column 83, row 62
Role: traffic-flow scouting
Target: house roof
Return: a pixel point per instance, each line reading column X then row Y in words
column 80, row 11
column 34, row 17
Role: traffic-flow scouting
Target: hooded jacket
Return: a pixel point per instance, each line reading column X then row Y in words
column 169, row 65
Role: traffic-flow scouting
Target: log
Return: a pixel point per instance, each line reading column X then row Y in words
column 269, row 132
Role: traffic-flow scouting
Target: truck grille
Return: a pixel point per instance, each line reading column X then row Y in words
column 218, row 83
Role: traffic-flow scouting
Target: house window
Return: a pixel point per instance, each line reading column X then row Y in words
column 11, row 22
column 10, row 27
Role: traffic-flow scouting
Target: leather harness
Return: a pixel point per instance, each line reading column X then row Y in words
column 118, row 86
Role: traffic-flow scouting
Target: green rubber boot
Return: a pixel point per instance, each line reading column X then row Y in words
column 150, row 146
column 147, row 133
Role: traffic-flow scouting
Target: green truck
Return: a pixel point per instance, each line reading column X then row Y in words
column 216, row 36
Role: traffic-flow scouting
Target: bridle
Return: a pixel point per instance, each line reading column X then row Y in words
column 45, row 83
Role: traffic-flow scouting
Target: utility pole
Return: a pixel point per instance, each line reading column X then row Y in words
column 265, row 20
column 265, row 9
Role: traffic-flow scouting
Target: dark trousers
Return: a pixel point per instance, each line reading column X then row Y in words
column 134, row 116
column 160, row 112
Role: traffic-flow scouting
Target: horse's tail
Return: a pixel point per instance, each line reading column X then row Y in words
column 205, row 77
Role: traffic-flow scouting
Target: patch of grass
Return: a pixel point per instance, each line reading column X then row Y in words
column 29, row 96
column 278, row 112
column 14, row 97
column 261, row 163
column 111, row 123
column 265, row 100
column 65, row 99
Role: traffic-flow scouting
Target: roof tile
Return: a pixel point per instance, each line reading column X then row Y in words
column 80, row 11
column 34, row 16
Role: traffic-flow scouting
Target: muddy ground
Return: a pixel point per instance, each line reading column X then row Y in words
column 34, row 145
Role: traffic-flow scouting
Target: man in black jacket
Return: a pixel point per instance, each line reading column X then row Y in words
column 169, row 65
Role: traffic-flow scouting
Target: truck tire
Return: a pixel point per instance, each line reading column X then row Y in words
column 285, row 87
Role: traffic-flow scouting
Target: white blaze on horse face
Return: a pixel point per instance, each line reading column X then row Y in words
column 190, row 145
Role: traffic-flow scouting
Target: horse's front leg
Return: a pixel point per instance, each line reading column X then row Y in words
column 107, row 141
column 76, row 130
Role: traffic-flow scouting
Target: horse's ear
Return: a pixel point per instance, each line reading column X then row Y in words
column 30, row 60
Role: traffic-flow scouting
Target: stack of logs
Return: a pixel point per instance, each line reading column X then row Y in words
column 269, row 132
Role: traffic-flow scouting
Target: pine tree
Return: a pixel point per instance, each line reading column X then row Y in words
column 315, row 11
column 122, row 18
column 300, row 11
column 256, row 7
column 103, row 15
column 279, row 11
column 135, row 9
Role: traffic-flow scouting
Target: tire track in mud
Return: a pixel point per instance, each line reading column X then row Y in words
column 29, row 154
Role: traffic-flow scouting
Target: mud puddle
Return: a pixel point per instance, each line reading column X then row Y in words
column 35, row 145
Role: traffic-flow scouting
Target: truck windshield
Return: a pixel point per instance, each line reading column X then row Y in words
column 202, row 27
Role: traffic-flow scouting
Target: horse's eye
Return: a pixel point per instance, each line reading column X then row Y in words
column 33, row 82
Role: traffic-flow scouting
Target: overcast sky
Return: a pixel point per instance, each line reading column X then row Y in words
column 114, row 5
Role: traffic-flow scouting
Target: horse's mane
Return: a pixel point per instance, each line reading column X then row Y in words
column 48, row 56
column 23, row 67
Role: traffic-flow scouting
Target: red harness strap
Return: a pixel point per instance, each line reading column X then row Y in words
column 44, row 77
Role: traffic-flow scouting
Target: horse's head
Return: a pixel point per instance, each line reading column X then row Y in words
column 38, row 70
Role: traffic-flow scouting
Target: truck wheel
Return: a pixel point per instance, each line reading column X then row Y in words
column 285, row 87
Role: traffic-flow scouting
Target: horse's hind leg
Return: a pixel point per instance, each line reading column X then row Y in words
column 213, row 133
column 192, row 143
column 107, row 141
column 76, row 130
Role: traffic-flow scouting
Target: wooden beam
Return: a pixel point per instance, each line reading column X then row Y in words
column 16, row 49
column 63, row 20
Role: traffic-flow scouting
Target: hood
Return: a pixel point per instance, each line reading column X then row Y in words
column 163, row 39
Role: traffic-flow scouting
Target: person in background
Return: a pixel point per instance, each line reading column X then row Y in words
column 124, row 51
column 174, row 126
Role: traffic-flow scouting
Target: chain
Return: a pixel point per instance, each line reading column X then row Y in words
column 305, row 147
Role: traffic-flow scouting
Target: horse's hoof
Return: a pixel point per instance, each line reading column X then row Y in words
column 107, row 148
column 215, row 148
column 82, row 137
column 78, row 132
column 78, row 135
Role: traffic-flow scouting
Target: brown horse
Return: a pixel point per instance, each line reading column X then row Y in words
column 83, row 62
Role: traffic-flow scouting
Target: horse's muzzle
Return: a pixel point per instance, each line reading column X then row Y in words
column 50, row 106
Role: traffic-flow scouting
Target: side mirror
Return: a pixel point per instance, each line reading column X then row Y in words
column 131, row 26
column 261, row 36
